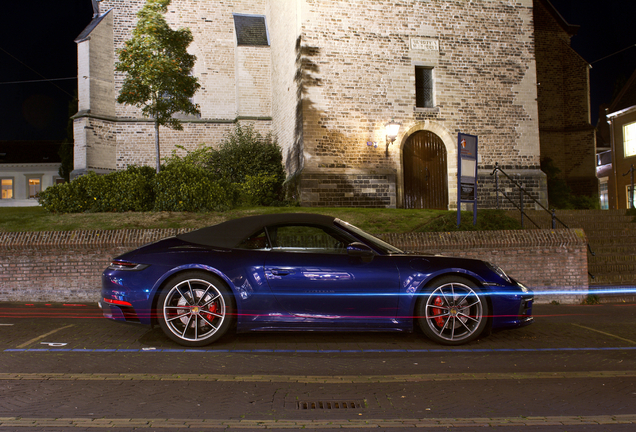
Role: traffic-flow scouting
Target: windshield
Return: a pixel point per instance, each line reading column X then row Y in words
column 373, row 241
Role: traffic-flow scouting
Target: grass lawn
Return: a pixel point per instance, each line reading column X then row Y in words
column 377, row 221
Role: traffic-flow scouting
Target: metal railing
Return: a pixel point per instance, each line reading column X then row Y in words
column 523, row 192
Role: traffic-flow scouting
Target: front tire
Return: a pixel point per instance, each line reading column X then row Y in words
column 453, row 311
column 195, row 309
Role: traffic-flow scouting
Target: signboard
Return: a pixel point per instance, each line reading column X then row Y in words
column 424, row 44
column 466, row 173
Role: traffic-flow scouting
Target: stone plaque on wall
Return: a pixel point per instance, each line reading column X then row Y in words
column 424, row 44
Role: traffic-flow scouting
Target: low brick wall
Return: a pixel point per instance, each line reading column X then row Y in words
column 63, row 266
column 551, row 262
column 66, row 266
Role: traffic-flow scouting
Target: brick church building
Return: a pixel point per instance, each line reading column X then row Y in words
column 325, row 77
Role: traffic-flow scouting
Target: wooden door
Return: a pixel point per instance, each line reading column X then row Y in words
column 425, row 172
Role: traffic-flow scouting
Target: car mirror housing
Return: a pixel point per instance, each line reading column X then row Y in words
column 360, row 250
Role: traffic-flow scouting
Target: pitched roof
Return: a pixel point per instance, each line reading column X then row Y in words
column 29, row 152
column 627, row 96
column 85, row 34
column 570, row 29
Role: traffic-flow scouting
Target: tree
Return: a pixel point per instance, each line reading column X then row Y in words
column 158, row 69
column 66, row 149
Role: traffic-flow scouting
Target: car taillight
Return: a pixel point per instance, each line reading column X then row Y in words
column 126, row 265
column 117, row 302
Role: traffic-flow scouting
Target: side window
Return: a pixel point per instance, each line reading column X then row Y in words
column 424, row 87
column 256, row 241
column 308, row 238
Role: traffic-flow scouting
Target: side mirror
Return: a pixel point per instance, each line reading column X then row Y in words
column 360, row 250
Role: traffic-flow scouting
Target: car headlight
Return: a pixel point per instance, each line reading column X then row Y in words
column 499, row 272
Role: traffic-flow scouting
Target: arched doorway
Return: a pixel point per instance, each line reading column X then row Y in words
column 425, row 172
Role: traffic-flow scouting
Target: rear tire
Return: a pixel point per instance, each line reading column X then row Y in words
column 452, row 311
column 195, row 309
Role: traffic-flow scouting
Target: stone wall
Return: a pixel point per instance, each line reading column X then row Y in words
column 95, row 141
column 567, row 136
column 502, row 193
column 351, row 190
column 362, row 58
column 337, row 71
column 66, row 266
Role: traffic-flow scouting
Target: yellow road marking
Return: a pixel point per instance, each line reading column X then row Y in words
column 606, row 334
column 29, row 342
column 354, row 423
column 314, row 379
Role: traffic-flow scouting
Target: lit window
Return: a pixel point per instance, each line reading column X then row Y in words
column 629, row 139
column 631, row 197
column 34, row 187
column 424, row 87
column 604, row 194
column 7, row 188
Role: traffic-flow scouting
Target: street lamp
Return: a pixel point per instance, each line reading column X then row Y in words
column 392, row 128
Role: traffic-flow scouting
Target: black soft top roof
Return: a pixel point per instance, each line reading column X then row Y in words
column 231, row 233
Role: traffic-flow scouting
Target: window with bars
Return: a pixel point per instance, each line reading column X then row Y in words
column 424, row 87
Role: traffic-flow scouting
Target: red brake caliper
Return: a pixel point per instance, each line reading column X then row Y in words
column 439, row 321
column 212, row 308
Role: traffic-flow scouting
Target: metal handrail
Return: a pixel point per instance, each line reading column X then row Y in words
column 522, row 192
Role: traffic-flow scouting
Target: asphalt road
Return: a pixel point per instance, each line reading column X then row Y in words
column 64, row 368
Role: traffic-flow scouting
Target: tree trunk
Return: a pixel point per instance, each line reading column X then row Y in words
column 157, row 146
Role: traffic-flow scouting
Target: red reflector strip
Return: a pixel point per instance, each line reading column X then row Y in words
column 117, row 302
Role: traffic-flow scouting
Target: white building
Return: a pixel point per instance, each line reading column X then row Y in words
column 26, row 168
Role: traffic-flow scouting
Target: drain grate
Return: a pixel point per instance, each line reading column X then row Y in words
column 329, row 405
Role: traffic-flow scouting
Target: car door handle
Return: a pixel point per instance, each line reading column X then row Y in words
column 281, row 272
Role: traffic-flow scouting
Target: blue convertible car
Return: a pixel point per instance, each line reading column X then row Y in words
column 305, row 272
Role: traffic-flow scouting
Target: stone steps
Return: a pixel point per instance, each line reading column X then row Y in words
column 612, row 237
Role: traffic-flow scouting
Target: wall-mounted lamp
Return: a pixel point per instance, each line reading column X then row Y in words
column 392, row 128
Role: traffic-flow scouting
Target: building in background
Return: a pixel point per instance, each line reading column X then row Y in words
column 615, row 167
column 325, row 77
column 563, row 82
column 26, row 168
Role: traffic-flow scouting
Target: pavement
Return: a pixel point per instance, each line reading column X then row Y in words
column 65, row 368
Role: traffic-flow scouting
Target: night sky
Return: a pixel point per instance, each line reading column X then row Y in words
column 36, row 42
column 607, row 26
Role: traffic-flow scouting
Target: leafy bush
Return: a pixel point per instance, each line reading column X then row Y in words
column 129, row 190
column 260, row 190
column 246, row 153
column 69, row 197
column 246, row 169
column 183, row 187
column 560, row 195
